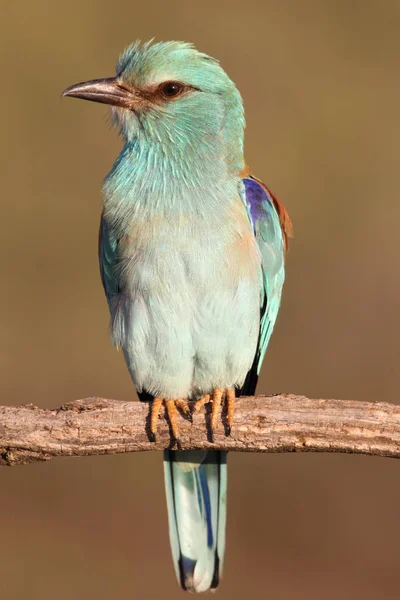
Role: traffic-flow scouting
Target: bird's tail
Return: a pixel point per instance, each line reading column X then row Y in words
column 195, row 484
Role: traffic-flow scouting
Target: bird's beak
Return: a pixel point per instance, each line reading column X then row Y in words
column 106, row 91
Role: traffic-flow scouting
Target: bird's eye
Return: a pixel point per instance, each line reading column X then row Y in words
column 171, row 89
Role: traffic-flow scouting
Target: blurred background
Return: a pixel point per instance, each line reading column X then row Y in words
column 320, row 81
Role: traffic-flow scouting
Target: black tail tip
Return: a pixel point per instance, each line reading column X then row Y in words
column 187, row 567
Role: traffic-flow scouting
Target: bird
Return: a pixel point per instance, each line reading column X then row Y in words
column 192, row 260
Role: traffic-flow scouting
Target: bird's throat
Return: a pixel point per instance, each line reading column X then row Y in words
column 146, row 180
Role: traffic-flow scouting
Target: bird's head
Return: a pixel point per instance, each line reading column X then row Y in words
column 170, row 95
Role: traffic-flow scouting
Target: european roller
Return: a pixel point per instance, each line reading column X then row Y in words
column 192, row 262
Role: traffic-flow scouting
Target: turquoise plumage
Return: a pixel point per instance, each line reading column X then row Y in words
column 195, row 484
column 192, row 261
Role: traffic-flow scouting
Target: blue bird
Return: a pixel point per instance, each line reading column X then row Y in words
column 192, row 261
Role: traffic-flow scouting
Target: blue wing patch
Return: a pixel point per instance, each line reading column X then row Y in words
column 271, row 242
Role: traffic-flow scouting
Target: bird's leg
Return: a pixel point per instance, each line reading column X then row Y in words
column 171, row 406
column 218, row 396
column 230, row 408
column 154, row 414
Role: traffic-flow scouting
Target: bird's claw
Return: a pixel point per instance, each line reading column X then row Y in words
column 172, row 406
column 218, row 397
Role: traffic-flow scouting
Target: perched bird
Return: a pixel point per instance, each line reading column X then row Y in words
column 192, row 262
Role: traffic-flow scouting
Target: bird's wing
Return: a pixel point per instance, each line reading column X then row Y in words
column 272, row 228
column 108, row 256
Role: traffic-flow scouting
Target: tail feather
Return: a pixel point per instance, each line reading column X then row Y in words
column 195, row 484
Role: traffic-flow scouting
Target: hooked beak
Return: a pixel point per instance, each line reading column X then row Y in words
column 106, row 91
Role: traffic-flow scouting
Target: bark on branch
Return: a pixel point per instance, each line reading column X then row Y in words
column 279, row 423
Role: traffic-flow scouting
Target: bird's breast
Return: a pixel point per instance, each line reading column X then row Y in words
column 187, row 315
column 171, row 253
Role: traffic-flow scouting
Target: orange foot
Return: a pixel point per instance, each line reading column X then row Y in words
column 171, row 406
column 217, row 397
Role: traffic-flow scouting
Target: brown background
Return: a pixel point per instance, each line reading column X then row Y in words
column 320, row 80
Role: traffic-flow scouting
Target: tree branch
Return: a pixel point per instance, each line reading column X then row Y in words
column 279, row 423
